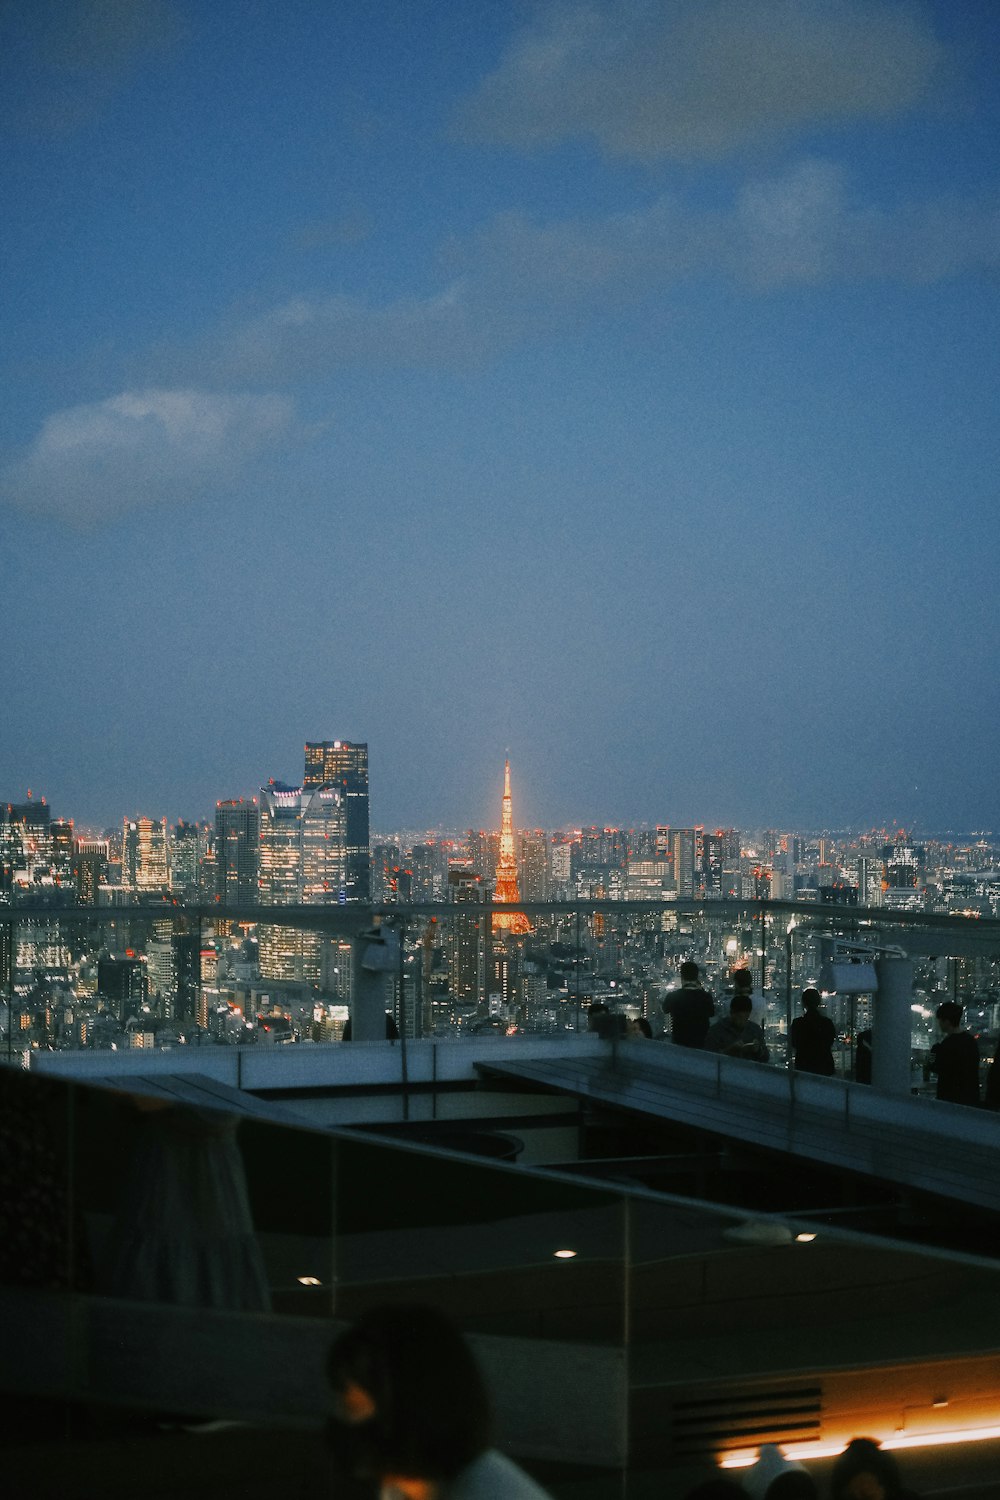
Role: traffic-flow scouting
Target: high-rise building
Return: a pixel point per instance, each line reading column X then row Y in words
column 61, row 835
column 161, row 966
column 90, row 869
column 188, row 842
column 484, row 852
column 237, row 852
column 280, row 879
column 187, row 970
column 324, row 846
column 506, row 891
column 869, row 881
column 462, row 941
column 683, row 843
column 25, row 841
column 533, row 865
column 344, row 765
column 423, row 864
column 145, row 860
column 123, row 984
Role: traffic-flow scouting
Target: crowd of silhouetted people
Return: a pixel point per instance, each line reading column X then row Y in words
column 863, row 1471
column 692, row 1019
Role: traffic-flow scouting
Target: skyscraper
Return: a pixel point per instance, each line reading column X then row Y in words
column 281, row 948
column 507, row 890
column 237, row 852
column 683, row 843
column 25, row 841
column 462, row 938
column 324, row 846
column 188, row 842
column 145, row 860
column 344, row 765
column 90, row 869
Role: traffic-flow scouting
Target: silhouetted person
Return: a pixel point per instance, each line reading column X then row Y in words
column 864, row 1471
column 955, row 1058
column 736, row 1035
column 776, row 1477
column 863, row 1057
column 411, row 1412
column 690, row 1009
column 606, row 1023
column 640, row 1027
column 813, row 1037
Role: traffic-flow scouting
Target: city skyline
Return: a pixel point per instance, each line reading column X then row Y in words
column 608, row 383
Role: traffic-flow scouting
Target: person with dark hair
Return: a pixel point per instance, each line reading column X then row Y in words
column 813, row 1037
column 864, row 1471
column 690, row 1009
column 736, row 1035
column 863, row 1056
column 411, row 1412
column 955, row 1058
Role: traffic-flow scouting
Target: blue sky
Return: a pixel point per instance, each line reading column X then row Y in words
column 612, row 384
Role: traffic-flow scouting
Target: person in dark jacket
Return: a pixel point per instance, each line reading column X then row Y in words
column 690, row 1009
column 813, row 1037
column 955, row 1058
column 736, row 1035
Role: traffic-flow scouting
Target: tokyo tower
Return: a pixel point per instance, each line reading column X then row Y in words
column 506, row 891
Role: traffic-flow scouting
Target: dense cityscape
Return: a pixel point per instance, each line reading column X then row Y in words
column 170, row 948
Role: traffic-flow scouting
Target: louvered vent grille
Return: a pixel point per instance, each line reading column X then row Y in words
column 742, row 1419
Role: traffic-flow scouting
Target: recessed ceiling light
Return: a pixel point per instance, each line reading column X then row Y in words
column 564, row 1254
column 803, row 1239
column 309, row 1281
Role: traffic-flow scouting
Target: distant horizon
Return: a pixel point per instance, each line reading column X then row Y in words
column 414, row 830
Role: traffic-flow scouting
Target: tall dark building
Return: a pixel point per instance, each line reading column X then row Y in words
column 343, row 765
column 123, row 984
column 237, row 852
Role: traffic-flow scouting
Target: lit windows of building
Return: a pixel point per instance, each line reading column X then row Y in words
column 344, row 765
column 145, row 857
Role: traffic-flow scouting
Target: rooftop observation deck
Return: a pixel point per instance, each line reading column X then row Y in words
column 691, row 1323
column 682, row 1331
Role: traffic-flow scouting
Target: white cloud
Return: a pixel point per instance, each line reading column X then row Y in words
column 92, row 463
column 698, row 79
column 517, row 278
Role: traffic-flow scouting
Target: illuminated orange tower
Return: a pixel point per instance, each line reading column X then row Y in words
column 506, row 890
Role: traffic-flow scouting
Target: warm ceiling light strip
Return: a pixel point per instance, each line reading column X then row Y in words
column 744, row 1458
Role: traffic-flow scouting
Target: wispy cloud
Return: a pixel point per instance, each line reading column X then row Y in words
column 92, row 463
column 519, row 278
column 699, row 79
